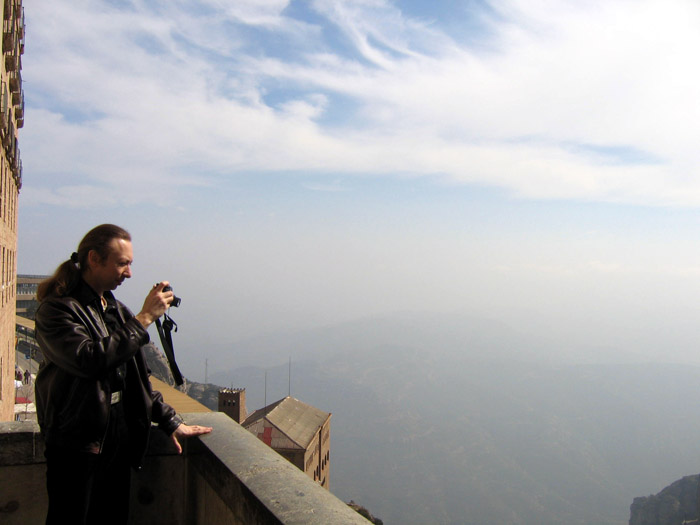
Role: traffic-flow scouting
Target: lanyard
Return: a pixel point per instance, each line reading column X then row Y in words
column 166, row 340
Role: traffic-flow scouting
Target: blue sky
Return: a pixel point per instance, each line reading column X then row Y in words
column 292, row 164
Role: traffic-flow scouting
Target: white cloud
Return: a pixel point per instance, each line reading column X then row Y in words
column 594, row 101
column 253, row 12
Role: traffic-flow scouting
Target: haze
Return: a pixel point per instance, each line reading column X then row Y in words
column 291, row 165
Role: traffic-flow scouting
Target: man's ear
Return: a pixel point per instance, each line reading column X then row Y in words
column 93, row 258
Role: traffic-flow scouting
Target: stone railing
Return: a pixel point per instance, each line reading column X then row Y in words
column 228, row 476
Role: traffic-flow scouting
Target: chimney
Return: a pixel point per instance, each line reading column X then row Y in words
column 232, row 403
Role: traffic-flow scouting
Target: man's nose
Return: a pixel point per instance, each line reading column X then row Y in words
column 127, row 273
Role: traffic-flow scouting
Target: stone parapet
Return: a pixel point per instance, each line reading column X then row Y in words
column 228, row 476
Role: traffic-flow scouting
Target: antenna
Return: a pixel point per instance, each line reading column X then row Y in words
column 289, row 381
column 265, row 404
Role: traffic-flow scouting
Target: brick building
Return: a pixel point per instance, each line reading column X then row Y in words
column 297, row 431
column 11, row 119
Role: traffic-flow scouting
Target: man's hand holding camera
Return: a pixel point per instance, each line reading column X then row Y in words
column 156, row 303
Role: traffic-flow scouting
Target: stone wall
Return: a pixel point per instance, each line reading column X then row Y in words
column 228, row 476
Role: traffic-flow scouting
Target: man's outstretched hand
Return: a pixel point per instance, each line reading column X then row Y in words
column 186, row 431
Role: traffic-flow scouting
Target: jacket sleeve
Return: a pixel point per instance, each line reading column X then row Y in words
column 160, row 412
column 75, row 341
column 163, row 414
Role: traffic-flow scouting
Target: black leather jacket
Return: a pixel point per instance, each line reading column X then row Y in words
column 73, row 392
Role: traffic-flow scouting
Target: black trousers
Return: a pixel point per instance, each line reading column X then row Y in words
column 86, row 488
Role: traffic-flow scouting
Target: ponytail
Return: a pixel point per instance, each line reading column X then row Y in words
column 61, row 282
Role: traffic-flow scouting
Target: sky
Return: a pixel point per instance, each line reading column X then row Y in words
column 288, row 165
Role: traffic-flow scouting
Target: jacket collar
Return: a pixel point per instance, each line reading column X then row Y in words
column 85, row 295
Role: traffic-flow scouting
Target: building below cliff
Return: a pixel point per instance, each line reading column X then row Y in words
column 297, row 431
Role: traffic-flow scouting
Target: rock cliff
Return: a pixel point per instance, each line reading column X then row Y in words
column 207, row 394
column 676, row 504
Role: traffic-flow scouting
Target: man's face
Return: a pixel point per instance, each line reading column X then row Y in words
column 111, row 272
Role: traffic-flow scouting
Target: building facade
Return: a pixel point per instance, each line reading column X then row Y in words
column 26, row 301
column 11, row 119
column 26, row 306
column 299, row 432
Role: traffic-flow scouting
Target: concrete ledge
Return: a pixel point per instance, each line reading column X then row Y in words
column 20, row 443
column 228, row 476
column 22, row 474
column 257, row 484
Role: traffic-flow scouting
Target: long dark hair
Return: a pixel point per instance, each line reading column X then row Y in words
column 68, row 273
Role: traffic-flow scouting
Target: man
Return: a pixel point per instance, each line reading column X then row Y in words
column 94, row 399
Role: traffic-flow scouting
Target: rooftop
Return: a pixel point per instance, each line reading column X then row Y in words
column 182, row 403
column 297, row 420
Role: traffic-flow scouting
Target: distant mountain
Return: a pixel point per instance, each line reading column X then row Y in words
column 446, row 420
column 415, row 330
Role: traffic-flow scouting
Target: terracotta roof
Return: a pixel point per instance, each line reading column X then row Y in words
column 182, row 403
column 297, row 420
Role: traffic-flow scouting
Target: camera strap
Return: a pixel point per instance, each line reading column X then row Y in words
column 164, row 330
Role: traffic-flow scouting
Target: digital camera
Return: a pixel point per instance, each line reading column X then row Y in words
column 176, row 299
